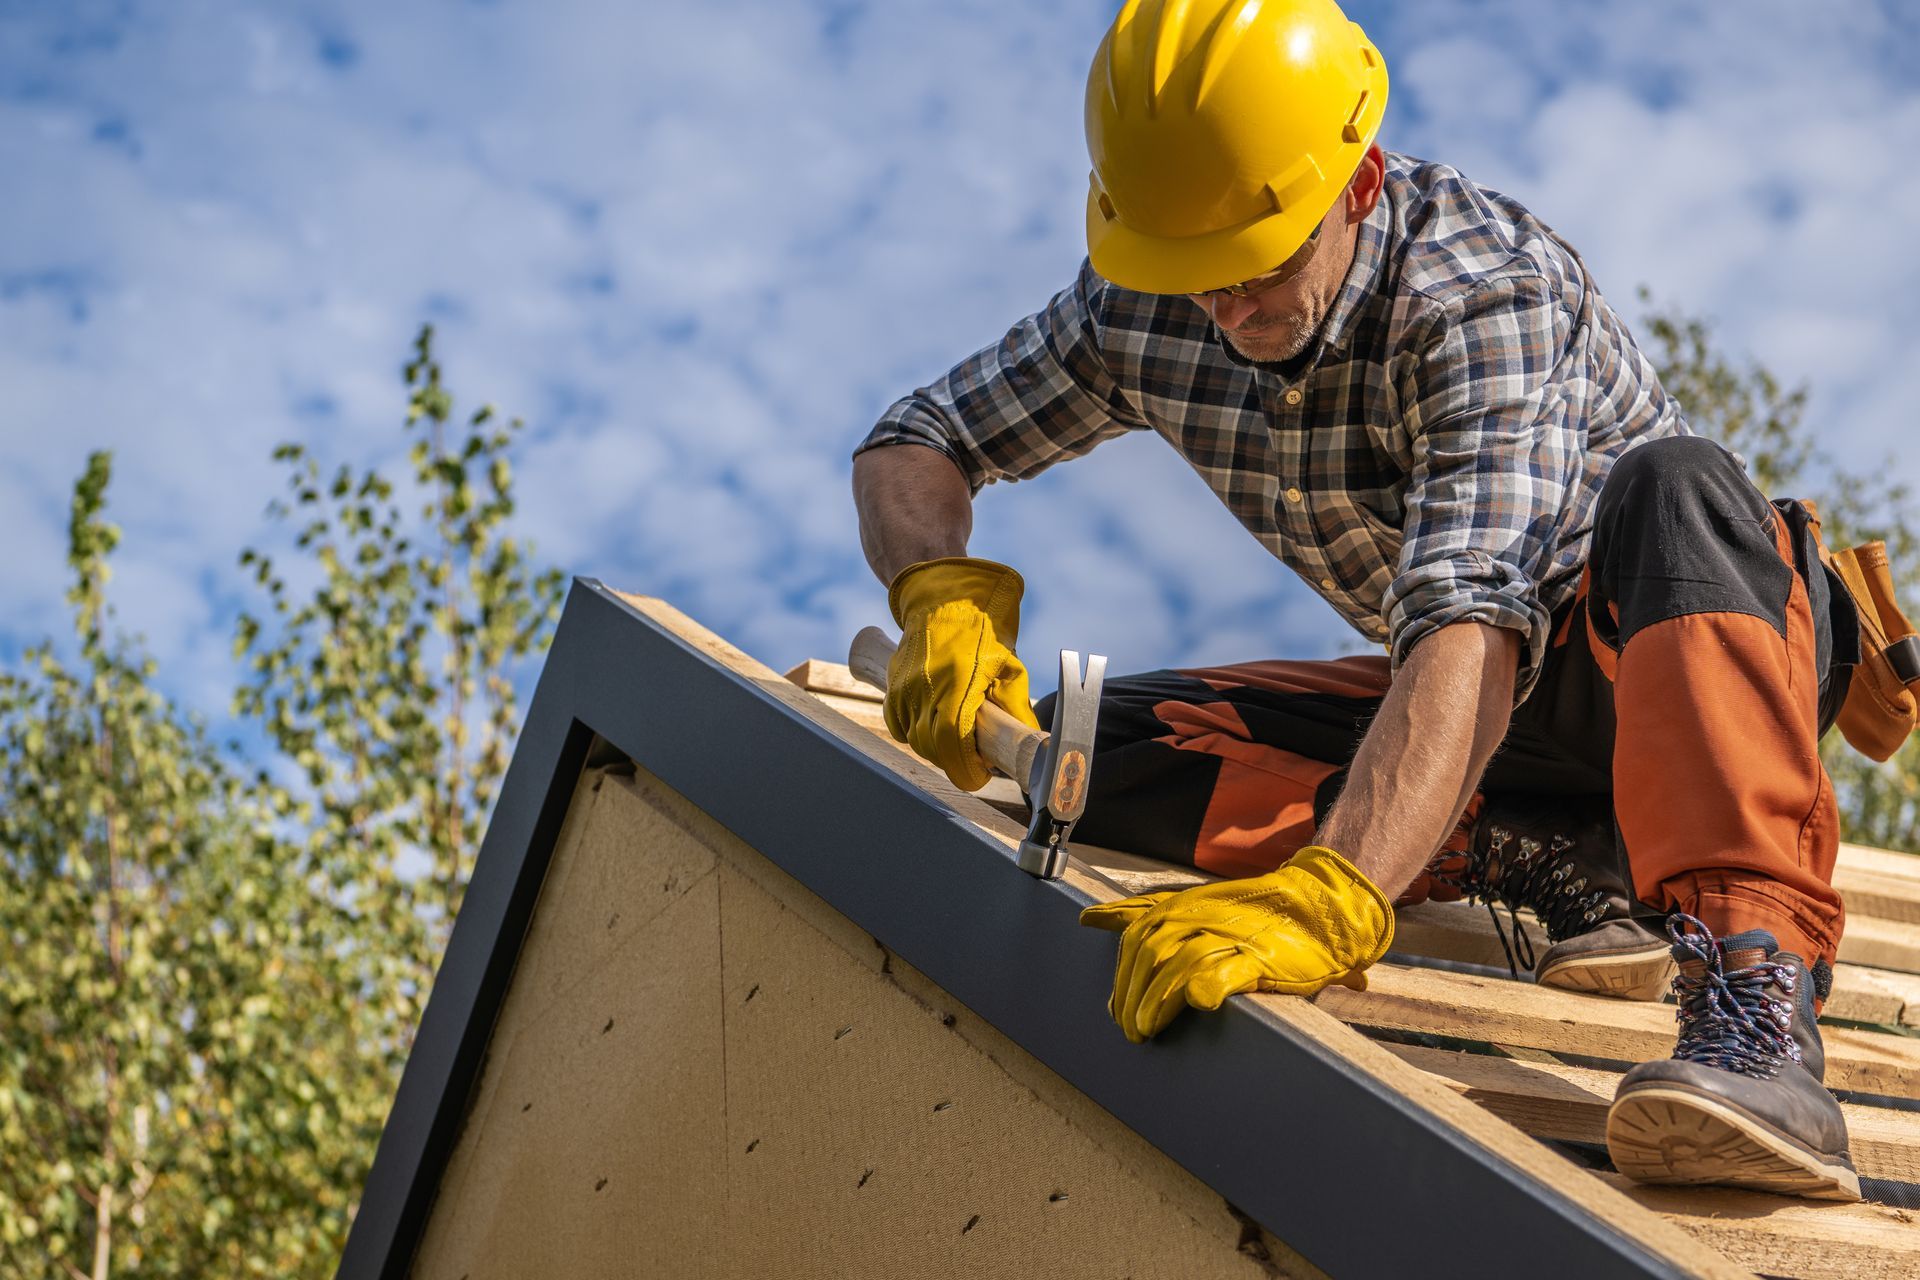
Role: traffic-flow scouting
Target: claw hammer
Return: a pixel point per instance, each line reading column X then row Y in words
column 1053, row 767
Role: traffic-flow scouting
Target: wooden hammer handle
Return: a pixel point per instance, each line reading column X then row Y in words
column 1008, row 745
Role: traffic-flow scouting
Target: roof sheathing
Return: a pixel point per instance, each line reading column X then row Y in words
column 1322, row 1137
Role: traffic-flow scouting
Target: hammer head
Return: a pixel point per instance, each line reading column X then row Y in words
column 1058, row 788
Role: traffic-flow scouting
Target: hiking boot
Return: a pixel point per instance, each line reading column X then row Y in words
column 1558, row 857
column 1741, row 1102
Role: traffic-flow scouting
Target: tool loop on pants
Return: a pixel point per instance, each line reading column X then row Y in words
column 1728, row 1018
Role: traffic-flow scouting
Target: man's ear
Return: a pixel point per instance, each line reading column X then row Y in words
column 1368, row 181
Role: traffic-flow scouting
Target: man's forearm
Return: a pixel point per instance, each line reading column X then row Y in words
column 913, row 504
column 1437, row 727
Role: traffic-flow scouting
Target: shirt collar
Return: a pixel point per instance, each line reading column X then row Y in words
column 1369, row 252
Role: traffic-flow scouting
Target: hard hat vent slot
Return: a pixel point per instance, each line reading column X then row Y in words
column 1350, row 132
column 1106, row 208
column 1295, row 184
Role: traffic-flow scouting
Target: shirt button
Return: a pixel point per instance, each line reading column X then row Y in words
column 1327, row 583
column 1293, row 495
column 1293, row 395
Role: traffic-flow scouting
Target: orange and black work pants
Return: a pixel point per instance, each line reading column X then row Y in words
column 1690, row 680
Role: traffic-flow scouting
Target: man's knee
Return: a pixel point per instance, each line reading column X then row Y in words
column 1678, row 493
column 1679, row 480
column 1680, row 529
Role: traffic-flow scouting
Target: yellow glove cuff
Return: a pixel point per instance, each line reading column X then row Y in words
column 995, row 588
column 1357, row 900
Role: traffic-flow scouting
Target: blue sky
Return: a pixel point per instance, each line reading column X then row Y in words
column 700, row 247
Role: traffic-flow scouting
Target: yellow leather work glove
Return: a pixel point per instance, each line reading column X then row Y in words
column 1314, row 922
column 959, row 619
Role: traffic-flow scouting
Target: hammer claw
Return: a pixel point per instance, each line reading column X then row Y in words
column 1059, row 795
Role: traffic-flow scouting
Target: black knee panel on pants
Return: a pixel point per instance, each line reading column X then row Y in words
column 1680, row 529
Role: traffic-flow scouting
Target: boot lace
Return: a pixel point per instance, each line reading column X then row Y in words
column 1730, row 1019
column 1518, row 872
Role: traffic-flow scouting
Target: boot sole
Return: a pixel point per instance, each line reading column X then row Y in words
column 1663, row 1134
column 1634, row 975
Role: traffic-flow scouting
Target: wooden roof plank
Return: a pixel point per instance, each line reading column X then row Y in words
column 1497, row 1011
column 1880, row 943
column 1461, row 932
column 1874, row 893
column 818, row 676
column 1565, row 1103
column 1781, row 1236
column 1882, row 862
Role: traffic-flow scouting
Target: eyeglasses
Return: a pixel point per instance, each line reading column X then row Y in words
column 1286, row 271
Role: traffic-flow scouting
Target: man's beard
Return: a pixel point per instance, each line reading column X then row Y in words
column 1282, row 337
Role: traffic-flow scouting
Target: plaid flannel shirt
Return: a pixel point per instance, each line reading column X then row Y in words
column 1434, row 459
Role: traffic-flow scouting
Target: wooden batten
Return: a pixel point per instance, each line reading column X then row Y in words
column 1880, row 943
column 1777, row 1236
column 1498, row 1011
column 834, row 680
column 1550, row 1099
column 1874, row 887
column 1460, row 932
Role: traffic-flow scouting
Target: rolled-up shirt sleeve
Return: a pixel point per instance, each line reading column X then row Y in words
column 1495, row 454
column 1043, row 393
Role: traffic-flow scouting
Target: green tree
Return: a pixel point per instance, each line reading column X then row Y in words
column 389, row 684
column 1747, row 408
column 178, row 1095
column 210, row 969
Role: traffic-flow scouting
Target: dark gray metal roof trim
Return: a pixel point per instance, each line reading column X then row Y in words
column 1357, row 1178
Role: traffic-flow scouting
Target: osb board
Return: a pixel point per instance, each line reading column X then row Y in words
column 700, row 1070
column 597, row 1065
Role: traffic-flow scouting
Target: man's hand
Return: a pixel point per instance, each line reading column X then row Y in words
column 959, row 619
column 1314, row 922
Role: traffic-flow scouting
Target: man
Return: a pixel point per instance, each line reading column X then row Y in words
column 1410, row 390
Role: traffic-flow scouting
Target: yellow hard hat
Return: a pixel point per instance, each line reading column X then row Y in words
column 1221, row 132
